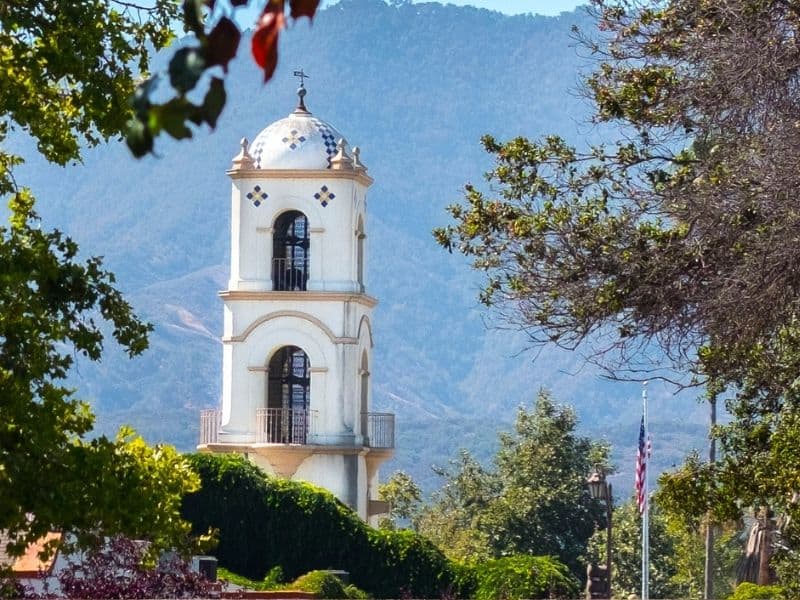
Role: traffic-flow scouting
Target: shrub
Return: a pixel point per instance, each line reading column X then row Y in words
column 9, row 587
column 265, row 522
column 322, row 584
column 465, row 579
column 117, row 569
column 272, row 581
column 355, row 593
column 523, row 576
column 751, row 591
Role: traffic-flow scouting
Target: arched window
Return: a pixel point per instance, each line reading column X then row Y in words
column 288, row 395
column 290, row 252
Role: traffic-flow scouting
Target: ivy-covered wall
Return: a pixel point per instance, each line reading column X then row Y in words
column 264, row 522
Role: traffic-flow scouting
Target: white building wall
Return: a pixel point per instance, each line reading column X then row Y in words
column 330, row 322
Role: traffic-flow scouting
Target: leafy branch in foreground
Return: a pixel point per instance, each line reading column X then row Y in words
column 207, row 53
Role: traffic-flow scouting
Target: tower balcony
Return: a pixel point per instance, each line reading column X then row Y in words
column 290, row 274
column 285, row 425
column 380, row 430
column 298, row 427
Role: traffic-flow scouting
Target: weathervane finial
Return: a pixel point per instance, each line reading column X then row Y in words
column 301, row 91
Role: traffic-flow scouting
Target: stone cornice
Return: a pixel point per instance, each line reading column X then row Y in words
column 307, row 296
column 358, row 176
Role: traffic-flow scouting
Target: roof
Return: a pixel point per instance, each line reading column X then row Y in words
column 29, row 564
column 298, row 141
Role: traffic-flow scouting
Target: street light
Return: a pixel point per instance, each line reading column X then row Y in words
column 600, row 489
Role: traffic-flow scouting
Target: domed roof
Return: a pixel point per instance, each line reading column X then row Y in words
column 299, row 141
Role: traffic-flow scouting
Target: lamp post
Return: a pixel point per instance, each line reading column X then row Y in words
column 600, row 489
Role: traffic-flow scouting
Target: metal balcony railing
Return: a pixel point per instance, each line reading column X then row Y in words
column 380, row 430
column 297, row 426
column 289, row 274
column 284, row 425
column 209, row 426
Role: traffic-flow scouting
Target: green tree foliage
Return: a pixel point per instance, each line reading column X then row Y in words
column 680, row 236
column 676, row 553
column 51, row 477
column 76, row 72
column 626, row 552
column 667, row 235
column 534, row 501
column 67, row 70
column 405, row 500
column 264, row 522
column 517, row 577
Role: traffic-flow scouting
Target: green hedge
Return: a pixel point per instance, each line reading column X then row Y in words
column 265, row 522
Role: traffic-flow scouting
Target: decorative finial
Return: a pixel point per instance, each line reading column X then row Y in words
column 357, row 164
column 341, row 160
column 301, row 91
column 243, row 160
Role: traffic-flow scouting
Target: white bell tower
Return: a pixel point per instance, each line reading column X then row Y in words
column 297, row 342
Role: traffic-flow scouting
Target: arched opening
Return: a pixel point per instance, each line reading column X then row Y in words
column 288, row 395
column 360, row 235
column 290, row 252
column 364, row 372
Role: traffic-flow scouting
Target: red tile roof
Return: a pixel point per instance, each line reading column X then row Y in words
column 29, row 564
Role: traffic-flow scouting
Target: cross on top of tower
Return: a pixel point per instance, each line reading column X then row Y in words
column 302, row 77
column 301, row 91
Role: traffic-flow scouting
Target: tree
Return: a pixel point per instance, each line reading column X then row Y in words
column 51, row 477
column 405, row 500
column 627, row 554
column 676, row 553
column 674, row 247
column 674, row 234
column 67, row 71
column 534, row 500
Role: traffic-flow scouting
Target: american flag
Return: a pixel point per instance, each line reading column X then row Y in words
column 642, row 454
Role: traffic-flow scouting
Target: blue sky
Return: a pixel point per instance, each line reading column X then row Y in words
column 513, row 7
column 542, row 7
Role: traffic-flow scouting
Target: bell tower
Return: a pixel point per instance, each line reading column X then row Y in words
column 297, row 341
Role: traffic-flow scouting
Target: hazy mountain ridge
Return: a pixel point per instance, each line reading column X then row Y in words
column 415, row 86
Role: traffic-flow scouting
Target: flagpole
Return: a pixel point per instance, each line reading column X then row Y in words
column 646, row 512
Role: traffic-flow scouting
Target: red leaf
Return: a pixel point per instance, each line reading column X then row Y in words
column 223, row 42
column 265, row 40
column 303, row 8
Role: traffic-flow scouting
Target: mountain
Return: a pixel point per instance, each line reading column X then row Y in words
column 415, row 86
